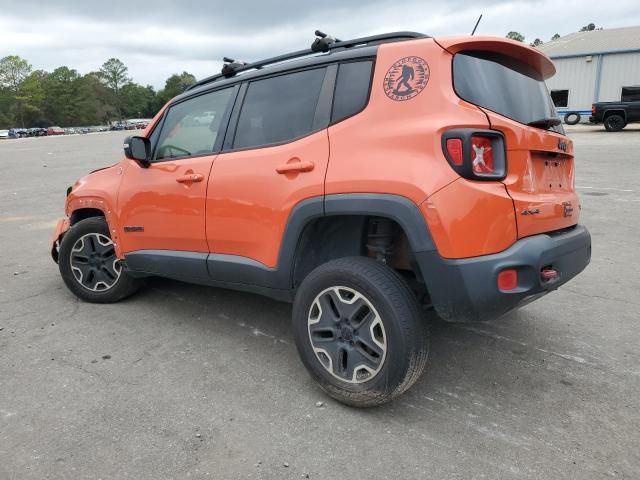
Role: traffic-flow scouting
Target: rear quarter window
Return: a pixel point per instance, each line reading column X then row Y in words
column 352, row 89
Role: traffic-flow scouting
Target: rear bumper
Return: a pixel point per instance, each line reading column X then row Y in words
column 466, row 289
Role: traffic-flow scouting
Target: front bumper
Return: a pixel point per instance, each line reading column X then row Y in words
column 467, row 289
column 61, row 227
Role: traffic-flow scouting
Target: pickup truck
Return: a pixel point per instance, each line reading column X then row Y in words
column 615, row 115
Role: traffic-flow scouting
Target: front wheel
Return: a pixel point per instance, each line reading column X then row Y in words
column 359, row 331
column 89, row 266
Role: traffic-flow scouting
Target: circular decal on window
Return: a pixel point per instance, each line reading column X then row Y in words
column 406, row 78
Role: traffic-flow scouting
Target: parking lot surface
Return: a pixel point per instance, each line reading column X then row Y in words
column 183, row 381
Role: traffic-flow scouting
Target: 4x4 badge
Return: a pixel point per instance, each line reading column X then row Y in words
column 406, row 78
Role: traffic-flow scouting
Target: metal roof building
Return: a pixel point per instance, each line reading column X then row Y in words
column 594, row 66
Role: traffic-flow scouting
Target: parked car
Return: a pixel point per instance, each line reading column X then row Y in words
column 615, row 115
column 366, row 186
column 69, row 131
column 4, row 135
column 117, row 126
column 37, row 132
column 102, row 129
column 18, row 132
column 55, row 131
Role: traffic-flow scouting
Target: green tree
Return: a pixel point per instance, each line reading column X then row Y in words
column 536, row 43
column 139, row 101
column 556, row 36
column 588, row 28
column 13, row 71
column 175, row 85
column 516, row 36
column 113, row 74
column 61, row 96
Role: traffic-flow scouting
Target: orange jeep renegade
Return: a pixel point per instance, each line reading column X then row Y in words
column 366, row 181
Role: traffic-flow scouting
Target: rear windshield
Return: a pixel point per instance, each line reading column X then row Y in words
column 502, row 85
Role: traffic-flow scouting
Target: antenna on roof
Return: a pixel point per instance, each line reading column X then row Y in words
column 321, row 44
column 229, row 68
column 474, row 28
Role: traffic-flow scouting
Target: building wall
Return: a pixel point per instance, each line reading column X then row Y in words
column 618, row 70
column 579, row 77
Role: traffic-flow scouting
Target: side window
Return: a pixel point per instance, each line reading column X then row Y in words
column 279, row 109
column 560, row 98
column 191, row 127
column 352, row 89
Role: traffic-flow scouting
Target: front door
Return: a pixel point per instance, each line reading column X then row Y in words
column 162, row 206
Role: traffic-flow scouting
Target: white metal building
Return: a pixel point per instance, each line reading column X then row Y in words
column 595, row 66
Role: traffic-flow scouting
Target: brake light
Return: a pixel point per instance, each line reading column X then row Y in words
column 508, row 279
column 481, row 155
column 476, row 154
column 454, row 148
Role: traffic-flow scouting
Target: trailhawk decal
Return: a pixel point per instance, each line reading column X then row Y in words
column 406, row 78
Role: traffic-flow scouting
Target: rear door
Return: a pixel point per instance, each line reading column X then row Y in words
column 540, row 165
column 276, row 155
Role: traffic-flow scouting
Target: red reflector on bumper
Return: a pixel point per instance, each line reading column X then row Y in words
column 508, row 279
column 548, row 274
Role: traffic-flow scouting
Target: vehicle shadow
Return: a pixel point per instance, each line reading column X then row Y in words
column 468, row 362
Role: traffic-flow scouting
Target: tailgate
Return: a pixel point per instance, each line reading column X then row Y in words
column 540, row 177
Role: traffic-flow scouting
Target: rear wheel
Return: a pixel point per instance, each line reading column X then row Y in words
column 614, row 123
column 89, row 266
column 359, row 331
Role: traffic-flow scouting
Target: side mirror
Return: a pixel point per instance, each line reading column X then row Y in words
column 139, row 149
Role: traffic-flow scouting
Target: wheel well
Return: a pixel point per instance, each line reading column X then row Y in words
column 83, row 214
column 332, row 237
column 622, row 113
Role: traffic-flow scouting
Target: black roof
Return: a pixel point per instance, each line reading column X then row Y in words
column 339, row 50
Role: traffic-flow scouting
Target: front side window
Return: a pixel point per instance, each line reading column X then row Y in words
column 279, row 109
column 192, row 126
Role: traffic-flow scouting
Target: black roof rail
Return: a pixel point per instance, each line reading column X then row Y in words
column 336, row 45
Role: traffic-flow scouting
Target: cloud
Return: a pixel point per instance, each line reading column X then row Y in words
column 156, row 39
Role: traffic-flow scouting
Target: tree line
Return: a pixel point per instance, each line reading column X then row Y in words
column 537, row 42
column 66, row 98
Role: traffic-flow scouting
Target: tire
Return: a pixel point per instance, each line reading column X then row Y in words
column 570, row 120
column 391, row 346
column 88, row 264
column 614, row 123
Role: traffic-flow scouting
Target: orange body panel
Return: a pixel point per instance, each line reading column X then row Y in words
column 172, row 213
column 249, row 202
column 468, row 219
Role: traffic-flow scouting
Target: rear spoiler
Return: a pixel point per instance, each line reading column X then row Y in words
column 510, row 48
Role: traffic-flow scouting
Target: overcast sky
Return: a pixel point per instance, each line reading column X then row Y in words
column 158, row 38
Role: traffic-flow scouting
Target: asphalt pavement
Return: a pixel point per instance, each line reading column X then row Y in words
column 183, row 381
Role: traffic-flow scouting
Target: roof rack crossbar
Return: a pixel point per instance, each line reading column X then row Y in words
column 372, row 40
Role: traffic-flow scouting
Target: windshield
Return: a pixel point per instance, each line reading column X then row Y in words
column 505, row 86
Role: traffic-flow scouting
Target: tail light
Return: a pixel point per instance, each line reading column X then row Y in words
column 593, row 109
column 476, row 154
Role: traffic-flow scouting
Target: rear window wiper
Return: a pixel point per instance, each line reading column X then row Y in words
column 545, row 123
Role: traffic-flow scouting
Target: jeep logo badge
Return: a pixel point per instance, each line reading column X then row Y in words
column 562, row 145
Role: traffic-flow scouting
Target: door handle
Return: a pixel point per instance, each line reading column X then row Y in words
column 297, row 166
column 190, row 178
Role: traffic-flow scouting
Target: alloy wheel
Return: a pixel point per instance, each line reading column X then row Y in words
column 347, row 334
column 94, row 263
